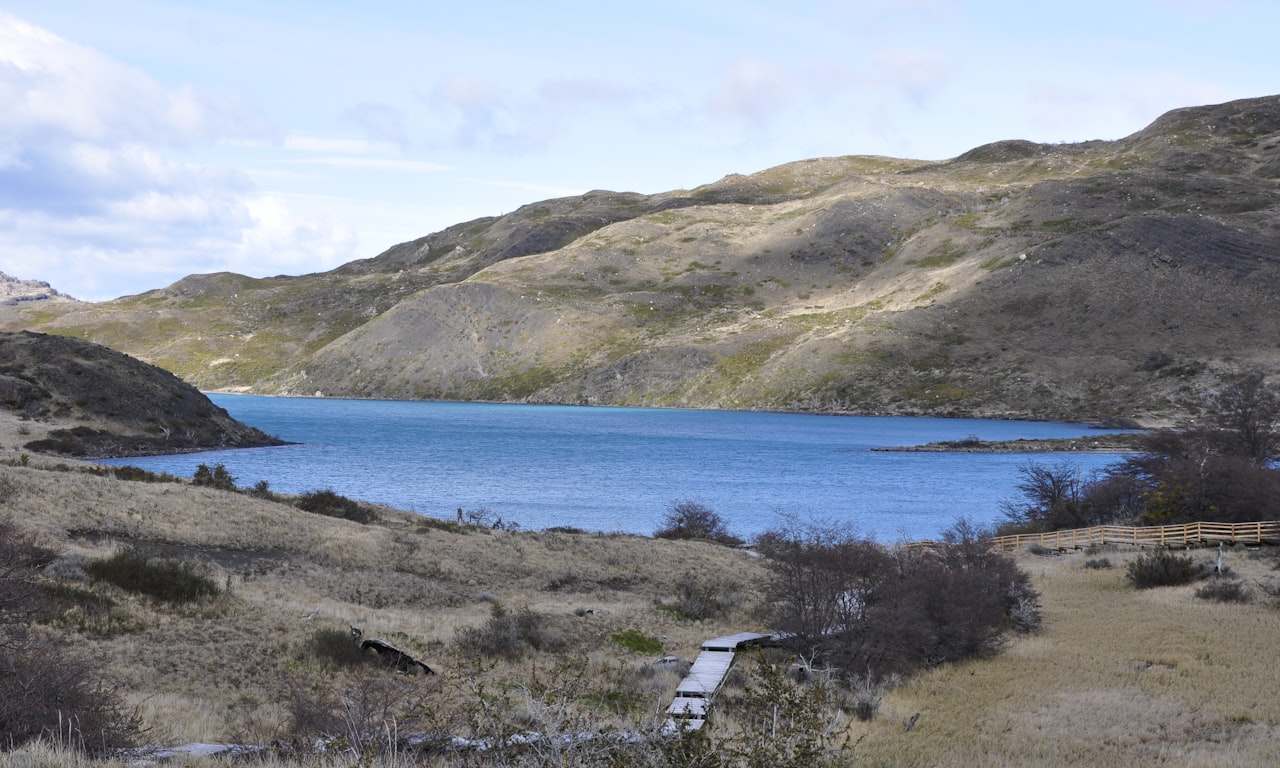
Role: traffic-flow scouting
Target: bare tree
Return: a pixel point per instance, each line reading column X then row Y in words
column 686, row 519
column 1050, row 496
column 824, row 577
column 1245, row 414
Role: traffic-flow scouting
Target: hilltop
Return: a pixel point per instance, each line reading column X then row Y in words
column 73, row 397
column 14, row 291
column 1056, row 281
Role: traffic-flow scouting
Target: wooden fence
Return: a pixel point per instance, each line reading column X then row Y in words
column 1156, row 535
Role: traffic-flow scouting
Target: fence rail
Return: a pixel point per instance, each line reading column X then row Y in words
column 1190, row 533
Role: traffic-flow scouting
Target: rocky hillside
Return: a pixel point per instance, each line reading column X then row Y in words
column 14, row 291
column 1081, row 281
column 94, row 401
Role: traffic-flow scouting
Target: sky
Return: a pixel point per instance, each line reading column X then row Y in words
column 144, row 141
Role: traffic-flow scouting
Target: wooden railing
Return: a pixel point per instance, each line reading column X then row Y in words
column 1157, row 535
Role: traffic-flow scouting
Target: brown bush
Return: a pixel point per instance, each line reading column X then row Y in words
column 48, row 692
column 873, row 612
column 509, row 634
column 364, row 714
column 693, row 520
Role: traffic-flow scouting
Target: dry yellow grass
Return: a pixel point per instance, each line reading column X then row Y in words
column 215, row 671
column 1118, row 676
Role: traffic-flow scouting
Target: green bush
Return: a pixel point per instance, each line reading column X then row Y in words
column 137, row 474
column 217, row 477
column 168, row 581
column 1161, row 568
column 635, row 640
column 326, row 502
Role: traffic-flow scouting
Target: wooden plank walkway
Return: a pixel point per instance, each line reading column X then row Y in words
column 1153, row 535
column 692, row 703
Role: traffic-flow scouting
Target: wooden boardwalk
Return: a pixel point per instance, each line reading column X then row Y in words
column 692, row 703
column 1151, row 535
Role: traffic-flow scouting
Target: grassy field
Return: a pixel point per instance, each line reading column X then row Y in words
column 1117, row 676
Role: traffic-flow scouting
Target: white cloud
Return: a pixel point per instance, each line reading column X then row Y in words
column 381, row 122
column 751, row 89
column 917, row 74
column 383, row 164
column 55, row 90
column 93, row 198
column 302, row 143
column 288, row 242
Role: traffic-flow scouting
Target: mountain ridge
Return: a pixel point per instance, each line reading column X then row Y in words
column 1055, row 281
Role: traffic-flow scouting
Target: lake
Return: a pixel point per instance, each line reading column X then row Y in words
column 617, row 469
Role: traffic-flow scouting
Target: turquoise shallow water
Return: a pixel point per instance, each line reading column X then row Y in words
column 616, row 469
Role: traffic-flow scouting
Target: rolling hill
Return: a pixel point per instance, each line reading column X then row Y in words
column 1105, row 279
column 81, row 399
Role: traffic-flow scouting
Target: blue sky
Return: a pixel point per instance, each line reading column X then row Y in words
column 143, row 141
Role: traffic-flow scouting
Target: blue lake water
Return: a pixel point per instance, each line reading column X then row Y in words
column 617, row 469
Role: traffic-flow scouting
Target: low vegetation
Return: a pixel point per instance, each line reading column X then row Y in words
column 165, row 580
column 511, row 635
column 331, row 504
column 48, row 690
column 1162, row 568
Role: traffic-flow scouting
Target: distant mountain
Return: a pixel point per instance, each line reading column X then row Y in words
column 14, row 291
column 1073, row 281
column 105, row 403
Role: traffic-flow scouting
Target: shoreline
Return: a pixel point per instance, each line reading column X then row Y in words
column 1121, row 444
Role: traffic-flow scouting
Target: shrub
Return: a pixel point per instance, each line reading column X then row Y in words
column 137, row 474
column 1224, row 591
column 867, row 696
column 635, row 640
column 47, row 692
column 21, row 598
column 858, row 606
column 335, row 647
column 168, row 581
column 509, row 634
column 483, row 517
column 1161, row 568
column 692, row 520
column 702, row 598
column 362, row 718
column 218, row 477
column 1097, row 563
column 326, row 502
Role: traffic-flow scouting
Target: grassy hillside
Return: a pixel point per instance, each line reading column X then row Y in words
column 1081, row 281
column 1118, row 675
